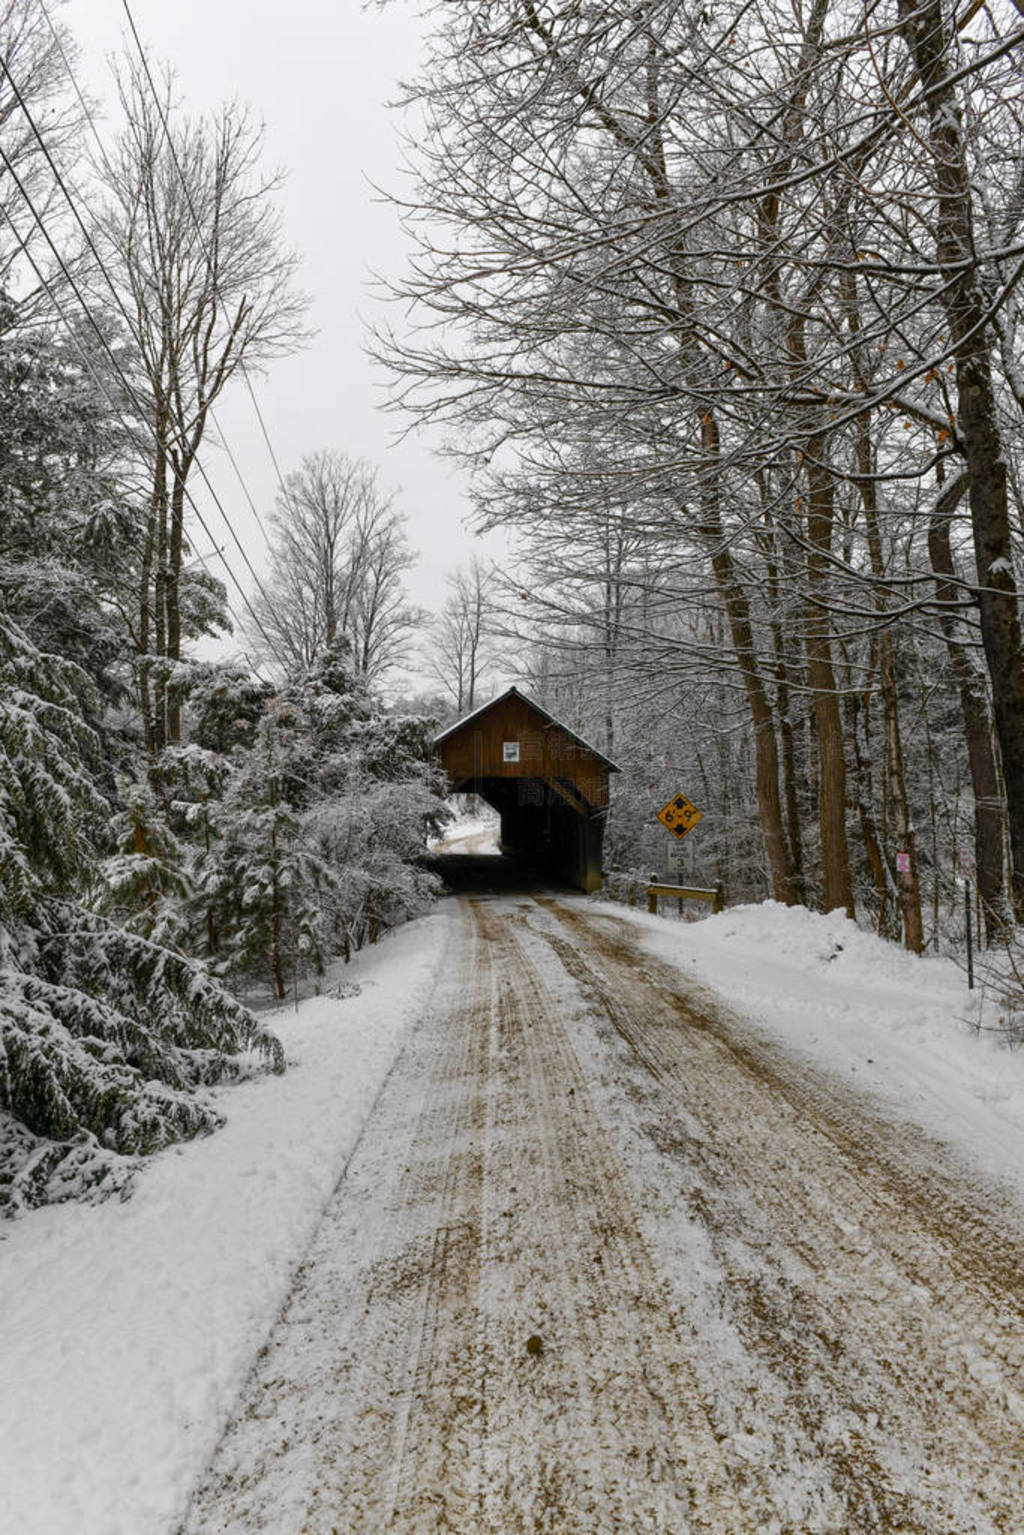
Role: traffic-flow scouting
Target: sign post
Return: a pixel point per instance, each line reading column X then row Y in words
column 970, row 942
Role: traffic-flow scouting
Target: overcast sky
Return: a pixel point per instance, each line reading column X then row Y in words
column 320, row 73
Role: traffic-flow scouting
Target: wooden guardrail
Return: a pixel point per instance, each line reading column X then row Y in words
column 683, row 892
column 656, row 888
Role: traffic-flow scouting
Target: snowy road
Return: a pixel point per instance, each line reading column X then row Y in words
column 605, row 1260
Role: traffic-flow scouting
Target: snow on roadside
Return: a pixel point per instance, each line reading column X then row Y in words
column 894, row 1024
column 128, row 1328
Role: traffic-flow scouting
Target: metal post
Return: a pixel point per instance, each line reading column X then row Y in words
column 970, row 940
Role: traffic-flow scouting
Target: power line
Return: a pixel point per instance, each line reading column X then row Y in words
column 127, row 319
column 263, row 425
column 87, row 114
column 129, row 389
column 101, row 385
column 90, row 119
column 202, row 240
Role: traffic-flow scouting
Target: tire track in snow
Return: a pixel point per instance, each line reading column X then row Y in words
column 326, row 1434
column 398, row 1392
column 884, row 1294
column 645, row 1457
column 828, row 1344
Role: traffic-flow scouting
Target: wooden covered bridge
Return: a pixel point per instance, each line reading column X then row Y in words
column 548, row 785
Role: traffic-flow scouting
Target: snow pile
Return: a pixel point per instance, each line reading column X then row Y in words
column 128, row 1328
column 896, row 1024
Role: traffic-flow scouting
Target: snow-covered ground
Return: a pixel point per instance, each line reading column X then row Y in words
column 894, row 1024
column 476, row 833
column 128, row 1328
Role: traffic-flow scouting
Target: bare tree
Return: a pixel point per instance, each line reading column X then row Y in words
column 35, row 100
column 929, row 30
column 338, row 559
column 198, row 274
column 709, row 247
column 463, row 636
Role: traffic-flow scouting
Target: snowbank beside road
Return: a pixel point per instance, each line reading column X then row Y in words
column 128, row 1328
column 895, row 1024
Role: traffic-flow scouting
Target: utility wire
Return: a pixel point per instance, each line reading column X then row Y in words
column 91, row 120
column 104, row 343
column 119, row 414
column 202, row 240
column 125, row 315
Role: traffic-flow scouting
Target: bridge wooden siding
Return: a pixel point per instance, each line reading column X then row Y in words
column 549, row 786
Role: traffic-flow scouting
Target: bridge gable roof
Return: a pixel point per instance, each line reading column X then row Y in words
column 545, row 719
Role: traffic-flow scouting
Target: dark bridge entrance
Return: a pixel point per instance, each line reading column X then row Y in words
column 549, row 786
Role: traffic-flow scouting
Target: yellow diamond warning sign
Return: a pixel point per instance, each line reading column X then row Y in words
column 679, row 815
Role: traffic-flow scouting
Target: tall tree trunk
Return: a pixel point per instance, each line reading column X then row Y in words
column 160, row 633
column 857, row 731
column 276, row 916
column 928, row 34
column 773, row 584
column 173, row 599
column 159, row 585
column 145, row 624
column 835, row 858
column 741, row 631
column 989, row 816
column 906, row 865
column 906, row 876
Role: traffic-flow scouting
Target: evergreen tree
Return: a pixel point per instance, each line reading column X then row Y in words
column 146, row 879
column 378, row 800
column 63, row 527
column 316, row 844
column 262, row 880
column 226, row 704
column 105, row 1035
